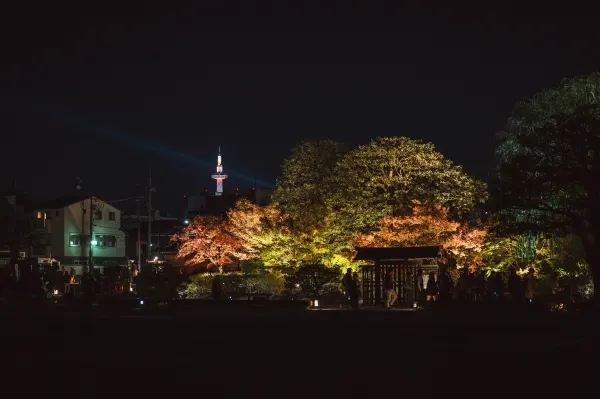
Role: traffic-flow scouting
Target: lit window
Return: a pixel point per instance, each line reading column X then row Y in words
column 105, row 240
column 75, row 239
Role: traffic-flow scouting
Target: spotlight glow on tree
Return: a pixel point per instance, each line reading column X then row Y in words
column 207, row 241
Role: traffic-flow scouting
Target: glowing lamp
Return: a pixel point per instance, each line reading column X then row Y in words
column 94, row 242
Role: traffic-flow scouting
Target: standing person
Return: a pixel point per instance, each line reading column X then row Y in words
column 444, row 284
column 432, row 288
column 348, row 284
column 390, row 292
column 529, row 285
column 357, row 293
column 462, row 286
column 420, row 287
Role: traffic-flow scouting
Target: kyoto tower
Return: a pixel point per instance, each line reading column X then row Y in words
column 219, row 176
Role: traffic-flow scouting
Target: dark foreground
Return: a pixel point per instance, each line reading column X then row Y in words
column 237, row 351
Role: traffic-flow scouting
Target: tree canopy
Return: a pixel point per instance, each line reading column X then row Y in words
column 549, row 165
column 385, row 177
column 207, row 240
column 307, row 178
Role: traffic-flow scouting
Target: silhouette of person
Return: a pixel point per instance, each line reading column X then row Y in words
column 432, row 287
column 390, row 293
column 348, row 284
column 420, row 287
column 357, row 293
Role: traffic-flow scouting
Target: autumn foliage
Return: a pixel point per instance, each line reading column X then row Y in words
column 394, row 191
column 424, row 227
column 208, row 241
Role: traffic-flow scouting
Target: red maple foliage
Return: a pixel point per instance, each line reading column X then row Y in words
column 207, row 241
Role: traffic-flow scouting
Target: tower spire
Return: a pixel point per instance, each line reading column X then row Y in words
column 219, row 176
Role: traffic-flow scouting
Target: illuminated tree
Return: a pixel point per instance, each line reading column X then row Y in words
column 385, row 177
column 258, row 228
column 307, row 178
column 425, row 227
column 314, row 280
column 265, row 234
column 420, row 228
column 326, row 196
column 208, row 241
column 467, row 246
column 549, row 166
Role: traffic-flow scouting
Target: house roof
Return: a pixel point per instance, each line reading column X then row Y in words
column 364, row 253
column 62, row 202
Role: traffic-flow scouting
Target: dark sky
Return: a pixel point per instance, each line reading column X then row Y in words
column 104, row 93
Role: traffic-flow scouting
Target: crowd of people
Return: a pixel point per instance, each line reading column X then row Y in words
column 351, row 284
column 475, row 287
column 432, row 287
column 35, row 282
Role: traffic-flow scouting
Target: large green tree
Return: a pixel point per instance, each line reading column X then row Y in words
column 307, row 177
column 549, row 165
column 385, row 178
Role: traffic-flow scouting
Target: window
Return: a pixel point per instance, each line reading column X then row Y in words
column 98, row 214
column 75, row 240
column 105, row 240
column 41, row 215
column 112, row 216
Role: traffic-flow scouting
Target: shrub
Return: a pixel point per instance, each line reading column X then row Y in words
column 314, row 280
column 199, row 286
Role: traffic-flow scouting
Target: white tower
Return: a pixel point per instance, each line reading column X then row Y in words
column 219, row 176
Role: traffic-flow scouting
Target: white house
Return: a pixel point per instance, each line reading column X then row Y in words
column 62, row 232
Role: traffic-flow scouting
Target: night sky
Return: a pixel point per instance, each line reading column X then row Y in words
column 106, row 93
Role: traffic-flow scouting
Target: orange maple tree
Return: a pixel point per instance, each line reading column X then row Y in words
column 208, row 241
column 256, row 227
column 424, row 227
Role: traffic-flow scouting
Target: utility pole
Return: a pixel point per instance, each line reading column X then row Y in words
column 82, row 235
column 139, row 237
column 91, row 254
column 149, row 244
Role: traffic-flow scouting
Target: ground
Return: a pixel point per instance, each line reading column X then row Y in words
column 244, row 351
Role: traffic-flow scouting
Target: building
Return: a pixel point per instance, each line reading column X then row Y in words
column 163, row 228
column 403, row 263
column 61, row 231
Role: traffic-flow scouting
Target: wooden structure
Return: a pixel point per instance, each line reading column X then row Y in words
column 403, row 263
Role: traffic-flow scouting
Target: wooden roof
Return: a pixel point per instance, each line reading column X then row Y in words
column 364, row 253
